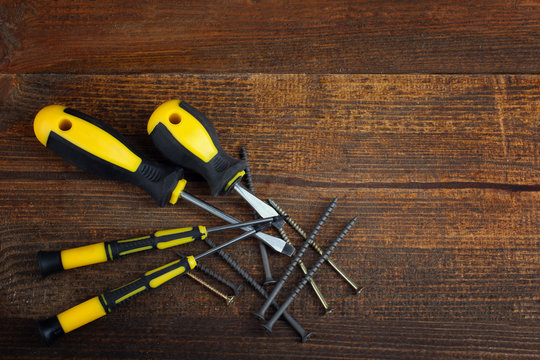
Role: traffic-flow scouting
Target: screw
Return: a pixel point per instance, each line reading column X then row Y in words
column 215, row 275
column 318, row 292
column 212, row 273
column 295, row 226
column 228, row 299
column 304, row 335
column 268, row 326
column 269, row 280
column 299, row 254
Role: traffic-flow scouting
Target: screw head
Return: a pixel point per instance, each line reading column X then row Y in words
column 267, row 328
column 259, row 316
column 230, row 300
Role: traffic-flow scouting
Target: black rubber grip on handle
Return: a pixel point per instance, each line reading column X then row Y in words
column 120, row 248
column 217, row 172
column 156, row 179
column 50, row 329
column 49, row 262
column 111, row 299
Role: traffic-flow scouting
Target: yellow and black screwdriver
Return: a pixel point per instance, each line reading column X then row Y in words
column 97, row 148
column 54, row 261
column 188, row 139
column 101, row 305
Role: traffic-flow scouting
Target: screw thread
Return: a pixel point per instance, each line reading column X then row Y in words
column 297, row 258
column 309, row 240
column 323, row 258
column 207, row 285
column 219, row 278
column 251, row 281
column 288, row 219
column 268, row 326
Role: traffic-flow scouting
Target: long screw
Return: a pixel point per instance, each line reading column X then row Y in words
column 312, row 282
column 299, row 254
column 268, row 326
column 295, row 226
column 304, row 335
column 228, row 299
column 269, row 280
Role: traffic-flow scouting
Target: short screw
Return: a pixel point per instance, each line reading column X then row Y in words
column 228, row 299
column 269, row 279
column 304, row 335
column 327, row 308
column 268, row 326
column 299, row 254
column 295, row 226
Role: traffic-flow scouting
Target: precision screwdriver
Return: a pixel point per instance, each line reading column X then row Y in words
column 54, row 261
column 188, row 139
column 99, row 149
column 101, row 305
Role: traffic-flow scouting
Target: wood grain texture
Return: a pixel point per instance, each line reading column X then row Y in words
column 443, row 170
column 270, row 37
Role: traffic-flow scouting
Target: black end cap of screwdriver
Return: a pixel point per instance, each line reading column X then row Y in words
column 49, row 262
column 50, row 329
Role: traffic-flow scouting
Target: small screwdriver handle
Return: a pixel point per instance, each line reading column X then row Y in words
column 97, row 148
column 187, row 138
column 101, row 305
column 54, row 261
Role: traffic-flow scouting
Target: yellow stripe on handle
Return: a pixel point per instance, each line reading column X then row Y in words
column 81, row 314
column 83, row 256
column 187, row 130
column 84, row 135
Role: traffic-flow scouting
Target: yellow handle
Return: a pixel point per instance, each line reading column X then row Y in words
column 187, row 130
column 81, row 314
column 85, row 135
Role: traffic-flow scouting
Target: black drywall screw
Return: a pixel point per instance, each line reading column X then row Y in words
column 295, row 226
column 236, row 288
column 268, row 326
column 299, row 254
column 269, row 280
column 304, row 335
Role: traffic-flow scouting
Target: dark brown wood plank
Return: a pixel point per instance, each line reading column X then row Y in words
column 265, row 36
column 443, row 172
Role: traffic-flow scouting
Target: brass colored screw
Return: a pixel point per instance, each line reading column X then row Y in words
column 228, row 299
column 295, row 226
column 312, row 282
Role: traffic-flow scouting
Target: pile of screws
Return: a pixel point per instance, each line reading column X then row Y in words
column 297, row 260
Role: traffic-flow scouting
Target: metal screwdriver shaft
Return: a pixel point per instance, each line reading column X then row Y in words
column 269, row 280
column 298, row 256
column 295, row 226
column 268, row 326
column 312, row 282
column 304, row 335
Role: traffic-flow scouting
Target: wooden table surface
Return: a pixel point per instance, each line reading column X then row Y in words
column 423, row 117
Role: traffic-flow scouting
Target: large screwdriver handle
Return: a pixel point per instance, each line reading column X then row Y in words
column 103, row 304
column 97, row 148
column 55, row 261
column 187, row 138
